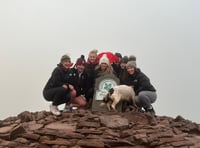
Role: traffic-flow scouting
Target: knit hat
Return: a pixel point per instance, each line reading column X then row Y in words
column 81, row 60
column 65, row 58
column 104, row 59
column 132, row 58
column 131, row 64
column 118, row 55
column 124, row 59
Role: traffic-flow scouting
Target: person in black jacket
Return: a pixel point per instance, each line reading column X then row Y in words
column 123, row 71
column 145, row 91
column 116, row 65
column 90, row 65
column 82, row 84
column 60, row 87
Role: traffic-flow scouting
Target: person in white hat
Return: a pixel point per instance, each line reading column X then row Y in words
column 104, row 67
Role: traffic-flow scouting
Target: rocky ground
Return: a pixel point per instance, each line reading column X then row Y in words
column 86, row 129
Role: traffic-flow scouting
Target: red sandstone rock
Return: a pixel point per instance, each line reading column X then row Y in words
column 83, row 128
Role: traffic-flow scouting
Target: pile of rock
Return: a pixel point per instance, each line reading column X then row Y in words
column 84, row 129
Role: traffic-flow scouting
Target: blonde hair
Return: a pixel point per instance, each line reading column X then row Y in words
column 94, row 51
column 108, row 70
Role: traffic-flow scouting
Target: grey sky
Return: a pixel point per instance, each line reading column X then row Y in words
column 164, row 35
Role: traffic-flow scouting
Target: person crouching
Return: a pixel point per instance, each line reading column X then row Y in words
column 58, row 88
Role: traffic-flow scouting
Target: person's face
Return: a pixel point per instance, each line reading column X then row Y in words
column 92, row 57
column 103, row 66
column 122, row 65
column 67, row 64
column 80, row 68
column 131, row 70
column 119, row 59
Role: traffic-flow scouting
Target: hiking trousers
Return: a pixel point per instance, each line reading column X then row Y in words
column 57, row 95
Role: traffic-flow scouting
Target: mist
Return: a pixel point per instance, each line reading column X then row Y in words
column 163, row 35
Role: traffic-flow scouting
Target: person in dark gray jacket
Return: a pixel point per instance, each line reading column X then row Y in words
column 61, row 86
column 145, row 91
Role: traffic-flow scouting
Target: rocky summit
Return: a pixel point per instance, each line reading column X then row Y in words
column 86, row 129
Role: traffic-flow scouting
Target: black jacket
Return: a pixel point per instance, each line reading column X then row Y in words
column 140, row 82
column 116, row 68
column 90, row 70
column 59, row 77
column 81, row 82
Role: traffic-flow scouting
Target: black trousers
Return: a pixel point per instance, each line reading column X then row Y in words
column 89, row 94
column 58, row 95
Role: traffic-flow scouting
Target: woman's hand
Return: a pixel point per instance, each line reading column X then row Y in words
column 71, row 87
column 65, row 86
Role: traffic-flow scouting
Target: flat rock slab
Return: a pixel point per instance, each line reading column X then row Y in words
column 114, row 121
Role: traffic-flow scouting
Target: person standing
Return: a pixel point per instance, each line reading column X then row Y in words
column 123, row 71
column 90, row 65
column 116, row 64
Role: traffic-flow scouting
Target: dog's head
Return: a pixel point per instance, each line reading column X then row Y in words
column 108, row 98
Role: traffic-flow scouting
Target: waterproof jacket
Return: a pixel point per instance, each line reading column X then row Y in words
column 140, row 82
column 59, row 77
column 90, row 70
column 81, row 82
column 116, row 67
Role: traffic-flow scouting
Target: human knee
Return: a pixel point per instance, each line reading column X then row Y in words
column 73, row 93
column 82, row 103
column 142, row 100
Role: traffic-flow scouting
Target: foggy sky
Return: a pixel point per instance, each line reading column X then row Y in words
column 163, row 35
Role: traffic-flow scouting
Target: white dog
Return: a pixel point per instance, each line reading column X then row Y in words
column 118, row 93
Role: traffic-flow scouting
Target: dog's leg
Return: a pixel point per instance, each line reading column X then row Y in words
column 113, row 106
column 114, row 103
column 108, row 106
column 133, row 101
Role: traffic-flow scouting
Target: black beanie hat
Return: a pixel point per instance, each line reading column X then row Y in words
column 118, row 54
column 124, row 59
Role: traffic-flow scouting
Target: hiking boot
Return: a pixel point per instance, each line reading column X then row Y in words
column 151, row 111
column 54, row 110
column 67, row 108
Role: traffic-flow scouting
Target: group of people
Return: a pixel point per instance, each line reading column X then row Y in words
column 73, row 84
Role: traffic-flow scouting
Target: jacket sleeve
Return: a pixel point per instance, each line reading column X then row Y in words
column 57, row 78
column 143, row 83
